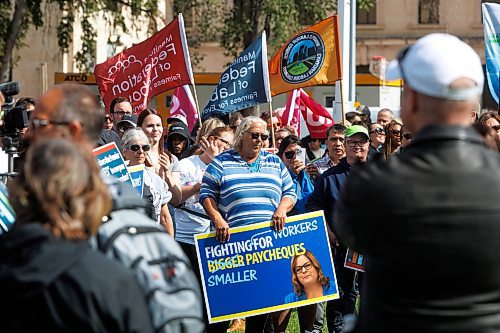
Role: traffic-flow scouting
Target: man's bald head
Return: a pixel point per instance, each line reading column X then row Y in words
column 71, row 111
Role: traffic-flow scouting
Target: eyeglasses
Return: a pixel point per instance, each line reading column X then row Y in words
column 262, row 136
column 122, row 113
column 300, row 269
column 408, row 136
column 401, row 55
column 395, row 132
column 135, row 148
column 353, row 143
column 38, row 123
column 227, row 143
column 290, row 154
column 378, row 130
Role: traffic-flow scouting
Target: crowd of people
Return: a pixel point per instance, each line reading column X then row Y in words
column 410, row 193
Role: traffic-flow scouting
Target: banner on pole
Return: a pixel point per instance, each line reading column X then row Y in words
column 491, row 23
column 243, row 84
column 158, row 64
column 183, row 104
column 310, row 58
column 317, row 119
column 265, row 271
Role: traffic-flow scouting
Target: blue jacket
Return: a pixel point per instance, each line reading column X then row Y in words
column 327, row 190
column 304, row 187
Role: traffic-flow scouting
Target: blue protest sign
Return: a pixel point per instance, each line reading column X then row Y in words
column 491, row 23
column 137, row 176
column 260, row 270
column 7, row 217
column 245, row 82
column 111, row 162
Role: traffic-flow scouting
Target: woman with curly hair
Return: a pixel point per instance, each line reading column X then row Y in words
column 47, row 268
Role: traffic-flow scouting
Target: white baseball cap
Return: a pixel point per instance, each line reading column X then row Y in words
column 434, row 62
column 177, row 117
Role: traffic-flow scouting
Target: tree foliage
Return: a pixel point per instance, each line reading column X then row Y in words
column 234, row 27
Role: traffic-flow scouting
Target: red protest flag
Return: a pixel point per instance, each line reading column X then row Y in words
column 318, row 120
column 310, row 58
column 158, row 64
column 291, row 115
column 183, row 104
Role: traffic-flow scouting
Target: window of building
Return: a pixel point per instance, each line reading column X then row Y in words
column 329, row 100
column 369, row 16
column 428, row 11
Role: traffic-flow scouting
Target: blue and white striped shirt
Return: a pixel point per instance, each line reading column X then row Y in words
column 245, row 197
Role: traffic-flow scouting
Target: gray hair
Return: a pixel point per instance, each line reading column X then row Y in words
column 246, row 123
column 386, row 110
column 132, row 135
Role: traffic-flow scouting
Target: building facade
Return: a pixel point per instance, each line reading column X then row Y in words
column 382, row 31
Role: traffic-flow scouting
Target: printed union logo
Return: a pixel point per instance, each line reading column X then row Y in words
column 303, row 57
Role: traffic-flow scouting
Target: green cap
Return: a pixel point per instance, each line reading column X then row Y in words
column 356, row 129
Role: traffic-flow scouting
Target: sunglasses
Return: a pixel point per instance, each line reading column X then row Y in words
column 496, row 128
column 125, row 128
column 135, row 148
column 255, row 136
column 394, row 132
column 290, row 154
column 315, row 140
column 378, row 130
column 407, row 136
column 107, row 119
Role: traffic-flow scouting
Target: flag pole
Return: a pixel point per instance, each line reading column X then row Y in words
column 342, row 102
column 272, row 124
column 197, row 105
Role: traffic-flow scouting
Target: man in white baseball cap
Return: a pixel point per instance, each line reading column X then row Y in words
column 429, row 222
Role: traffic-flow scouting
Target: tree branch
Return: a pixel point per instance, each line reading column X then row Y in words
column 12, row 33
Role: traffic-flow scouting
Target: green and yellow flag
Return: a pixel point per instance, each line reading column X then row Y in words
column 310, row 58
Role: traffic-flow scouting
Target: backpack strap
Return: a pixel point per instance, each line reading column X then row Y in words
column 130, row 230
column 190, row 211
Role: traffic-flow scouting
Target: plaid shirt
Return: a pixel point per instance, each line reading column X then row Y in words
column 324, row 163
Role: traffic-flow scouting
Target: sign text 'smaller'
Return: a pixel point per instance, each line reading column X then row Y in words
column 158, row 64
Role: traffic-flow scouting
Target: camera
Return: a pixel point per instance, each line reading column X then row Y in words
column 15, row 119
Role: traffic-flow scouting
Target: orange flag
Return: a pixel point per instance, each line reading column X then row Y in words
column 310, row 58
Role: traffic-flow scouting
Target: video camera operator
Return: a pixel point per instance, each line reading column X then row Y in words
column 15, row 124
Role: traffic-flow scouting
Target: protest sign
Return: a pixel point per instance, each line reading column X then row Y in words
column 111, row 162
column 137, row 177
column 254, row 272
column 245, row 82
column 310, row 58
column 158, row 64
column 7, row 217
column 354, row 260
